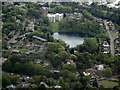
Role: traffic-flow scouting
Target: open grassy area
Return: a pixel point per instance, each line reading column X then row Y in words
column 109, row 84
column 54, row 26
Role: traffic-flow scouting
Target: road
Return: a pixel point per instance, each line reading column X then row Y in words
column 111, row 39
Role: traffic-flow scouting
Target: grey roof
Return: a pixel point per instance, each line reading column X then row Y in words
column 39, row 38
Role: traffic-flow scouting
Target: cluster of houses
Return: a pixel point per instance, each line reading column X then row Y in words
column 31, row 26
column 111, row 25
column 55, row 17
column 105, row 47
column 117, row 42
column 74, row 15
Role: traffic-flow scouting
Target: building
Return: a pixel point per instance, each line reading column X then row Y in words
column 57, row 86
column 55, row 17
column 58, row 16
column 11, row 87
column 15, row 52
column 39, row 39
column 105, row 47
column 30, row 26
column 51, row 17
column 70, row 62
column 100, row 67
column 42, row 83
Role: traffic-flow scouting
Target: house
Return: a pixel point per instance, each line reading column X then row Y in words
column 57, row 87
column 13, row 42
column 86, row 73
column 42, row 83
column 39, row 39
column 105, row 47
column 27, row 85
column 18, row 21
column 30, row 26
column 11, row 87
column 55, row 70
column 38, row 61
column 70, row 62
column 15, row 52
column 105, row 44
column 100, row 67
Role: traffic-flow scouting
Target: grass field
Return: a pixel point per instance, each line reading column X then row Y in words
column 109, row 84
column 54, row 26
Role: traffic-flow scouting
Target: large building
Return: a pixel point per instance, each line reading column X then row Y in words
column 55, row 17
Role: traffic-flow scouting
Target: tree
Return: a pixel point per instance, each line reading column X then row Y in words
column 54, row 47
column 108, row 72
column 7, row 66
column 37, row 79
column 50, row 82
column 72, row 77
column 91, row 45
column 76, row 85
column 67, row 85
column 63, row 55
column 65, row 73
column 73, row 57
column 61, row 81
column 17, row 67
column 71, row 67
column 5, row 80
column 14, row 79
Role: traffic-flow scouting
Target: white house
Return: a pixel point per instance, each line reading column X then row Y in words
column 86, row 73
column 100, row 67
column 57, row 86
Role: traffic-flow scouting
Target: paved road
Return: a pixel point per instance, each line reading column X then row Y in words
column 111, row 40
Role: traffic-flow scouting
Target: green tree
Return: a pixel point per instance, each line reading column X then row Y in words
column 71, row 67
column 72, row 77
column 54, row 47
column 76, row 85
column 108, row 72
column 63, row 55
column 17, row 67
column 67, row 86
column 61, row 81
column 5, row 80
column 91, row 45
column 14, row 79
column 7, row 66
column 37, row 79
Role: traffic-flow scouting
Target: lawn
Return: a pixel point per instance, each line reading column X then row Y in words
column 109, row 84
column 54, row 26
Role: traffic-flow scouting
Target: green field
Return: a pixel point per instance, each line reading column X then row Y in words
column 109, row 84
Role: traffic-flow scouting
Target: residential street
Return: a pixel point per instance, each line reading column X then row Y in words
column 111, row 39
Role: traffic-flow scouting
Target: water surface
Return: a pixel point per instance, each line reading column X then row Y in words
column 72, row 40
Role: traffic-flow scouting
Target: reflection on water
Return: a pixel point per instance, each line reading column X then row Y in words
column 72, row 40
